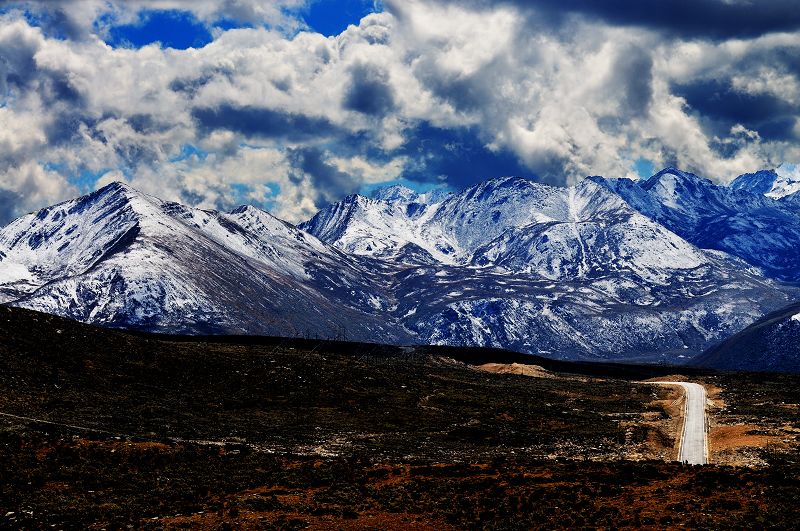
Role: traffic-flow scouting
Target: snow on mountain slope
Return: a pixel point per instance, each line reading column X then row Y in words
column 396, row 194
column 615, row 316
column 559, row 233
column 120, row 258
column 760, row 230
column 586, row 271
column 772, row 183
column 599, row 236
column 791, row 202
column 378, row 227
column 759, row 183
column 575, row 271
column 450, row 230
column 470, row 219
column 65, row 239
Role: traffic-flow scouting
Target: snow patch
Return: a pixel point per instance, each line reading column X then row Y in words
column 11, row 273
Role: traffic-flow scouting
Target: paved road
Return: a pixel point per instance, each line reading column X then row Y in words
column 694, row 445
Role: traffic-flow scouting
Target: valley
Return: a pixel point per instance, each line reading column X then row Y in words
column 165, row 432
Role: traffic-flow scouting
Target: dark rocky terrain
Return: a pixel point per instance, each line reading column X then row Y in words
column 103, row 429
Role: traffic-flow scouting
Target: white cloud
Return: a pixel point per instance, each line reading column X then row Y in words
column 368, row 172
column 28, row 187
column 769, row 81
column 587, row 98
column 81, row 19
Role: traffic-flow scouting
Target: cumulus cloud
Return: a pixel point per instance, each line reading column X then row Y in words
column 82, row 19
column 369, row 91
column 27, row 187
column 428, row 91
column 717, row 19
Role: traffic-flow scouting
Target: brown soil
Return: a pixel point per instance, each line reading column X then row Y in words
column 281, row 519
column 516, row 368
column 668, row 378
column 726, row 437
column 666, row 428
column 737, row 445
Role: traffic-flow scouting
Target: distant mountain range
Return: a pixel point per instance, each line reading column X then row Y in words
column 658, row 269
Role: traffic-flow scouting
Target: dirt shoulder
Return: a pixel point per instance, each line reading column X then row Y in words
column 750, row 418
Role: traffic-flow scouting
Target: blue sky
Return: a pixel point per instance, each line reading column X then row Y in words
column 180, row 29
column 292, row 104
column 331, row 17
column 172, row 29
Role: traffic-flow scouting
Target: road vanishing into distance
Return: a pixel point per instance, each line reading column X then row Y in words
column 694, row 444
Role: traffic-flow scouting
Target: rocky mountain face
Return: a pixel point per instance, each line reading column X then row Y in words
column 770, row 344
column 606, row 269
column 120, row 258
column 759, row 229
column 768, row 182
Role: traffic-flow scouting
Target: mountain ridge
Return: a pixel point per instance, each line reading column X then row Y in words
column 584, row 272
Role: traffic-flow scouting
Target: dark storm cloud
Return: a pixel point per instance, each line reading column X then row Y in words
column 329, row 182
column 465, row 92
column 635, row 70
column 56, row 87
column 717, row 104
column 786, row 56
column 64, row 129
column 713, row 19
column 9, row 201
column 264, row 123
column 457, row 156
column 369, row 91
column 17, row 66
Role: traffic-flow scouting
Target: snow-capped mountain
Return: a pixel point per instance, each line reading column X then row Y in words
column 514, row 263
column 603, row 269
column 771, row 183
column 120, row 258
column 758, row 229
column 760, row 182
column 376, row 227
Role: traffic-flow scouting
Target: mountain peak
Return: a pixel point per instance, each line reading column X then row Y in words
column 245, row 209
column 116, row 186
column 403, row 195
column 395, row 193
column 777, row 183
column 675, row 177
column 112, row 196
column 759, row 182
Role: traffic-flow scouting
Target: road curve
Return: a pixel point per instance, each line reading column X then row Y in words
column 694, row 444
